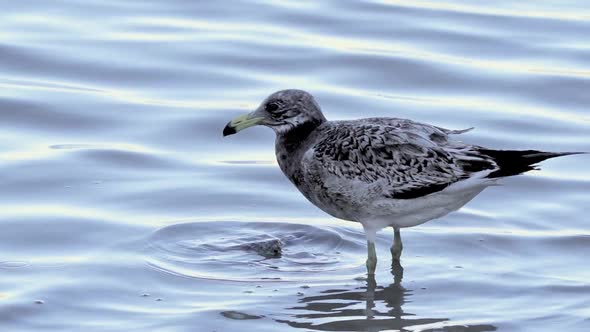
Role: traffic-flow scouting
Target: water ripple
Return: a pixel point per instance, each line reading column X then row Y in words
column 197, row 250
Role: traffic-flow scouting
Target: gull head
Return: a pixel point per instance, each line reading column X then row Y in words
column 282, row 111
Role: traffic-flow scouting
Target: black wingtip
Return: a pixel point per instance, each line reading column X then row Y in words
column 229, row 130
column 514, row 162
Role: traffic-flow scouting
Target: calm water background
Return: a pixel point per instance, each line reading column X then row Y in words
column 123, row 208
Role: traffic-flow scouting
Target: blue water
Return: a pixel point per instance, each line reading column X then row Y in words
column 123, row 208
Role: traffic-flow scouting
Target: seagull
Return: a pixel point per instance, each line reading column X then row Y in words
column 379, row 172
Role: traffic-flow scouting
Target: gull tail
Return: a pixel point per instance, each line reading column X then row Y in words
column 514, row 162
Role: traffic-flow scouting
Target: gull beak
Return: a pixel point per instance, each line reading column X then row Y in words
column 241, row 122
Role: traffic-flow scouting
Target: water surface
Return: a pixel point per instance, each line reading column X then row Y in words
column 123, row 208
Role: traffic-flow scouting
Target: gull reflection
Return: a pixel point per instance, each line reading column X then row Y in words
column 369, row 308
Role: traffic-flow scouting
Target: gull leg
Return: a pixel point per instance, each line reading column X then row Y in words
column 397, row 270
column 397, row 247
column 371, row 258
column 370, row 296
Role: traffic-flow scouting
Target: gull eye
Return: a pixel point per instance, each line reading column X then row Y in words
column 271, row 107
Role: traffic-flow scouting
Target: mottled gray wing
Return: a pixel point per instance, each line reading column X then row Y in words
column 414, row 159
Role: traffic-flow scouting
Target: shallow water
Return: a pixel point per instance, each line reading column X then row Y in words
column 123, row 208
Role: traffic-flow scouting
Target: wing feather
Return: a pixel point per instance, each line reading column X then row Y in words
column 406, row 158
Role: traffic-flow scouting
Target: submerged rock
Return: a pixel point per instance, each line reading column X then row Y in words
column 269, row 248
column 239, row 315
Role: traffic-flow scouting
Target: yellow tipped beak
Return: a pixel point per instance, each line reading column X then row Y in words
column 241, row 122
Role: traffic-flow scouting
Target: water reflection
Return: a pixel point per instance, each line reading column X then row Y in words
column 369, row 308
